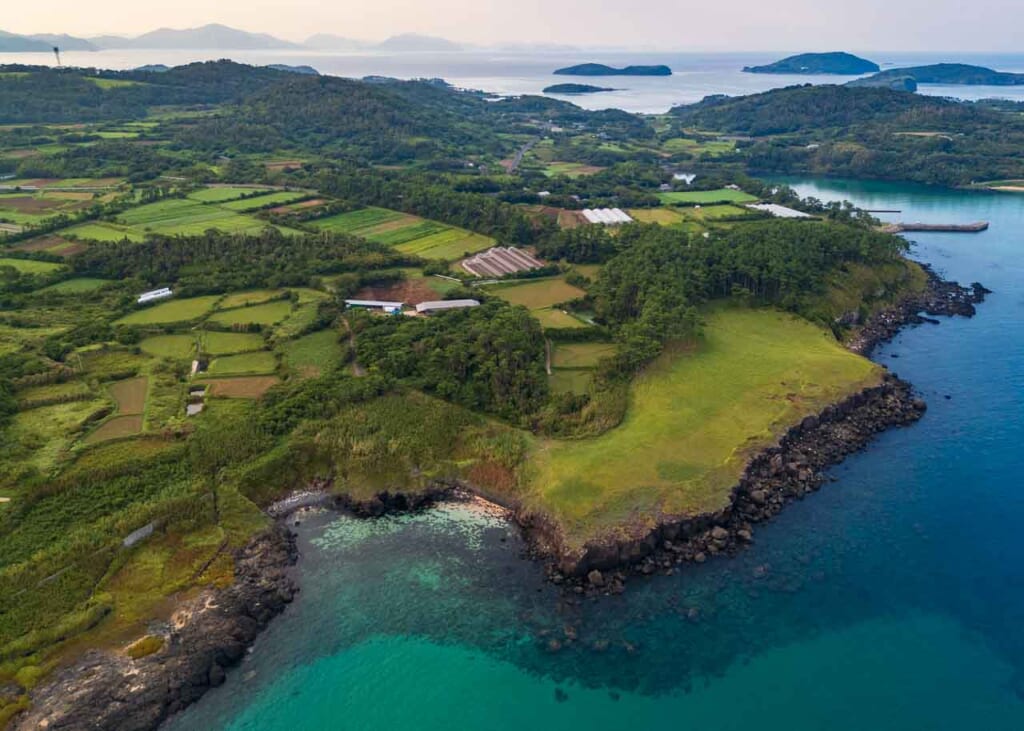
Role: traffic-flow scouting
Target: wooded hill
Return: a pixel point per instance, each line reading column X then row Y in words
column 868, row 132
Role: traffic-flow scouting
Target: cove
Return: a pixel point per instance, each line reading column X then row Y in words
column 891, row 599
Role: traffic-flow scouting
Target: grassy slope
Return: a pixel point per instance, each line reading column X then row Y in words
column 694, row 419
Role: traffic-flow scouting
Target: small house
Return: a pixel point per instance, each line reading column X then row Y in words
column 389, row 308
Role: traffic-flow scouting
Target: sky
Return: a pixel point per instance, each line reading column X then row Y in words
column 679, row 25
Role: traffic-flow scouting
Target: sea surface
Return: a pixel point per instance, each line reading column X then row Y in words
column 696, row 75
column 893, row 599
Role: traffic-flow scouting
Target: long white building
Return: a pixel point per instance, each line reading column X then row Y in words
column 606, row 216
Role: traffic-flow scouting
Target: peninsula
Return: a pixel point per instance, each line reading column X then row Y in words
column 599, row 69
column 837, row 63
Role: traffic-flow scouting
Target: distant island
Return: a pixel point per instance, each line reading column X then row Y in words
column 575, row 89
column 951, row 73
column 599, row 69
column 838, row 63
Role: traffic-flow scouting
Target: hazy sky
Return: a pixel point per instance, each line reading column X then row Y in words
column 982, row 25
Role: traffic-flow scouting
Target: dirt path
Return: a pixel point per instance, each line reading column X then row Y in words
column 547, row 355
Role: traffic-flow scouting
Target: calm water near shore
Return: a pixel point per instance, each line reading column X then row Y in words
column 892, row 599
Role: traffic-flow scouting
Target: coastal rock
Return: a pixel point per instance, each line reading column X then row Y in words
column 595, row 578
column 109, row 690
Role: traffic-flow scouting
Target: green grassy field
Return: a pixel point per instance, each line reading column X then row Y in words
column 184, row 310
column 104, row 231
column 313, row 354
column 702, row 197
column 551, row 318
column 29, row 266
column 220, row 195
column 241, row 299
column 79, row 285
column 266, row 314
column 182, row 216
column 178, row 347
column 246, row 364
column 569, row 381
column 694, row 419
column 539, row 293
column 264, row 201
column 664, row 216
column 220, row 343
column 581, row 355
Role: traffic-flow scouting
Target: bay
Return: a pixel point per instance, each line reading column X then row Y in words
column 516, row 72
column 892, row 599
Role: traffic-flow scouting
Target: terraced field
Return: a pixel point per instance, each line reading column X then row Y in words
column 246, row 364
column 30, row 266
column 263, row 201
column 409, row 234
column 220, row 195
column 173, row 311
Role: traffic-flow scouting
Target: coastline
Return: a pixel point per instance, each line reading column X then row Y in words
column 211, row 633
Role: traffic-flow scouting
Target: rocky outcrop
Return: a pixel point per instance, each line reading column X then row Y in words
column 111, row 690
column 939, row 298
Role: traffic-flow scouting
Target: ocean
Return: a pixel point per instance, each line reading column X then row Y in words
column 891, row 599
column 696, row 75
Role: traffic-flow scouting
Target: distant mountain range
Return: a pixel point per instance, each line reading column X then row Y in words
column 218, row 37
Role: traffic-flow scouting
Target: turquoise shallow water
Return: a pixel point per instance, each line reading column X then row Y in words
column 892, row 599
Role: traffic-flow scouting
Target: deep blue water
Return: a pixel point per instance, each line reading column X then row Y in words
column 891, row 599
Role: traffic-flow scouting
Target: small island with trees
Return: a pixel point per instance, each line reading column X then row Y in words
column 575, row 89
column 599, row 69
column 836, row 62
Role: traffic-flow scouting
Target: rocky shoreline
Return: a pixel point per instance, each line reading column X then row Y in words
column 206, row 635
column 190, row 653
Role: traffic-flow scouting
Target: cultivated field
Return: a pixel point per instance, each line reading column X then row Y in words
column 221, row 195
column 263, row 201
column 538, row 293
column 313, row 354
column 221, row 343
column 553, row 319
column 663, row 216
column 119, row 426
column 177, row 347
column 130, row 395
column 409, row 234
column 265, row 314
column 581, row 355
column 79, row 285
column 174, row 310
column 706, row 197
column 28, row 266
column 245, row 364
column 694, row 419
column 251, row 387
column 254, row 297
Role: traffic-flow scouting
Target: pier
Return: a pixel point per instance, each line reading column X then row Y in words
column 962, row 228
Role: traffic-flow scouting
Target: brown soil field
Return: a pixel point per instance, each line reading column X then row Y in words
column 410, row 291
column 130, row 395
column 248, row 387
column 30, row 204
column 278, row 165
column 53, row 244
column 569, row 219
column 119, row 426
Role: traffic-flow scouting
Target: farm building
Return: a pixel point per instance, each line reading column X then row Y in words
column 156, row 294
column 778, row 211
column 388, row 307
column 426, row 308
column 606, row 216
column 499, row 261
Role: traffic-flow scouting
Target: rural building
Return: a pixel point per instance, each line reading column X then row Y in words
column 156, row 294
column 606, row 216
column 389, row 307
column 499, row 261
column 426, row 308
column 778, row 211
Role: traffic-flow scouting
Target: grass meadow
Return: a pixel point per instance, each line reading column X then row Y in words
column 694, row 419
